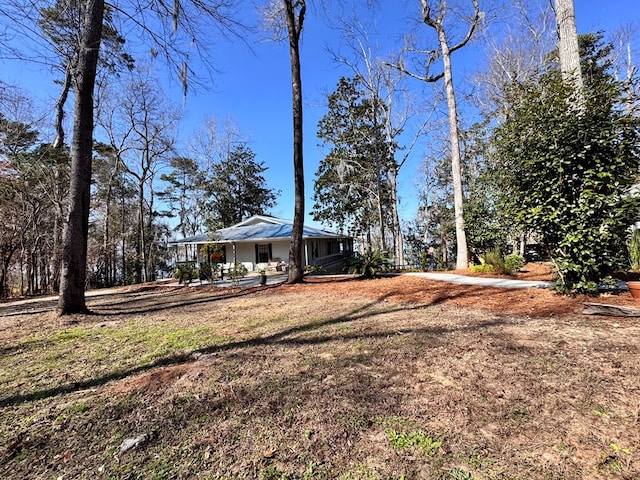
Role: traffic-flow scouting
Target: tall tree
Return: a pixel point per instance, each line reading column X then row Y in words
column 16, row 139
column 437, row 23
column 391, row 103
column 519, row 56
column 237, row 189
column 568, row 50
column 113, row 210
column 432, row 233
column 76, row 230
column 60, row 24
column 295, row 11
column 140, row 124
column 186, row 188
column 353, row 186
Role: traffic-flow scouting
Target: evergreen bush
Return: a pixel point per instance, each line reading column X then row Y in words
column 569, row 165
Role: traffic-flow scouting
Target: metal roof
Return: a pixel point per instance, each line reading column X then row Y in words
column 261, row 228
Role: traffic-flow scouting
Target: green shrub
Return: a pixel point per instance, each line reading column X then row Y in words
column 514, row 262
column 236, row 273
column 506, row 265
column 369, row 264
column 495, row 259
column 572, row 168
column 633, row 247
column 206, row 271
column 185, row 272
column 315, row 270
column 483, row 268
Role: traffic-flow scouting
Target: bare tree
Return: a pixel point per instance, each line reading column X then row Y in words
column 213, row 142
column 140, row 126
column 515, row 58
column 437, row 23
column 386, row 95
column 626, row 64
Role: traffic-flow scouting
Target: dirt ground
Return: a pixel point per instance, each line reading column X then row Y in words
column 532, row 302
column 392, row 378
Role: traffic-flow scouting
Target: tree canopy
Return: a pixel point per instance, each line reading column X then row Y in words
column 237, row 189
column 352, row 190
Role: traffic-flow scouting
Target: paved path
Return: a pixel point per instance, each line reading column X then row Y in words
column 487, row 282
column 252, row 280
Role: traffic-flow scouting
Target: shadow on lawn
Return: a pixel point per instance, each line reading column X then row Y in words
column 279, row 338
column 129, row 303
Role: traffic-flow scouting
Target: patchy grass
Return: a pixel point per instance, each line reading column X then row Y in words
column 384, row 379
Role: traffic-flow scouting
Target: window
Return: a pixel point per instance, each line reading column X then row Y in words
column 263, row 252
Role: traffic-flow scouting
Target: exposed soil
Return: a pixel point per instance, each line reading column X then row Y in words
column 332, row 378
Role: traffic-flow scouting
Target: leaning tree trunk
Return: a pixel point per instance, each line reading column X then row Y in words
column 294, row 27
column 60, row 104
column 76, row 230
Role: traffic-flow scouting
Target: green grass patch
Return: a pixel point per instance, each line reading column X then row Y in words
column 85, row 353
column 416, row 438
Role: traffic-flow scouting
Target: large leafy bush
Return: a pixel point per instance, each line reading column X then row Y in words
column 569, row 167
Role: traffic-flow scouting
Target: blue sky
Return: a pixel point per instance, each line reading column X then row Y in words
column 253, row 88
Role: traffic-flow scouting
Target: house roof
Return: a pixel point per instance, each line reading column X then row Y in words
column 258, row 228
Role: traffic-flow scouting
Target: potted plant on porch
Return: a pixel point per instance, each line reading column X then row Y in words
column 263, row 276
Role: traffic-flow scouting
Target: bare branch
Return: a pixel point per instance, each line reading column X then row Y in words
column 426, row 78
column 473, row 24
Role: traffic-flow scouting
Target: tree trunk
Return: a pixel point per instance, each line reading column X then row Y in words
column 568, row 50
column 123, row 232
column 456, row 170
column 58, row 143
column 58, row 223
column 294, row 28
column 140, row 235
column 62, row 100
column 398, row 246
column 74, row 249
column 106, row 241
column 379, row 162
column 149, row 243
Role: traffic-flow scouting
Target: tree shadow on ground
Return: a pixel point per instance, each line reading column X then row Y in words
column 363, row 312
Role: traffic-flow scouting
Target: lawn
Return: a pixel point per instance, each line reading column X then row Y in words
column 394, row 378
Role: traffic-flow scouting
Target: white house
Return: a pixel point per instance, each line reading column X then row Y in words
column 262, row 241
